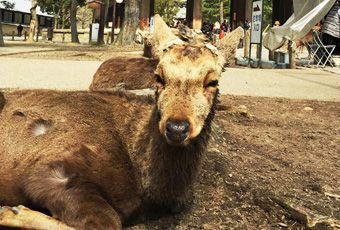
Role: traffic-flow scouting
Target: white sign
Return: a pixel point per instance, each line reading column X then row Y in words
column 256, row 22
column 95, row 31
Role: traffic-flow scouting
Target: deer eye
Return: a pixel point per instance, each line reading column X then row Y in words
column 159, row 79
column 213, row 83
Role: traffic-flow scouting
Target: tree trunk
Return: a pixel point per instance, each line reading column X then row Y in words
column 291, row 51
column 131, row 22
column 221, row 11
column 1, row 36
column 107, row 5
column 34, row 22
column 73, row 19
column 63, row 18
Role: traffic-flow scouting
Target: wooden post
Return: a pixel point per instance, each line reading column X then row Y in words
column 108, row 35
column 197, row 15
column 90, row 34
column 246, row 44
column 145, row 12
column 194, row 14
column 221, row 11
column 113, row 21
column 189, row 13
column 291, row 51
column 13, row 35
column 101, row 24
column 37, row 35
column 152, row 8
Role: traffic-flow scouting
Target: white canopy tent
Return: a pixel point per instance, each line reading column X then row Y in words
column 306, row 15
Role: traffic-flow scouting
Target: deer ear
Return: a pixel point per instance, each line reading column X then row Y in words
column 227, row 45
column 163, row 36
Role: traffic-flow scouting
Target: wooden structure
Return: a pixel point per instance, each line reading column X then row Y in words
column 193, row 13
column 12, row 18
column 282, row 10
column 240, row 10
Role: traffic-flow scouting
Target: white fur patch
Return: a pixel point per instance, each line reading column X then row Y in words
column 58, row 176
column 40, row 129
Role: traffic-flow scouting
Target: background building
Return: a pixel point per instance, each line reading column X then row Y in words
column 12, row 18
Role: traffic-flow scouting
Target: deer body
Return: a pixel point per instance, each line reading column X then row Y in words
column 95, row 160
column 82, row 149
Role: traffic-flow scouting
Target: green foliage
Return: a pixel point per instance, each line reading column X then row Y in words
column 267, row 13
column 168, row 9
column 53, row 6
column 211, row 10
column 8, row 5
column 60, row 9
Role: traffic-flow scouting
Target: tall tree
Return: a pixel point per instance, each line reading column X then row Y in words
column 73, row 21
column 54, row 7
column 1, row 36
column 84, row 17
column 211, row 10
column 64, row 10
column 221, row 11
column 267, row 13
column 167, row 9
column 7, row 5
column 34, row 21
column 131, row 22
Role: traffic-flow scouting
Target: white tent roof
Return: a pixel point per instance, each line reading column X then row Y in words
column 306, row 15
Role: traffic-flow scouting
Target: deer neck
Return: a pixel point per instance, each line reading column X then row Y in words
column 167, row 172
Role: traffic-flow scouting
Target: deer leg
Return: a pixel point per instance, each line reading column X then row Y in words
column 70, row 198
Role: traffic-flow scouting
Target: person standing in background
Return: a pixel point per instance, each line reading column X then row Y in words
column 331, row 28
column 20, row 28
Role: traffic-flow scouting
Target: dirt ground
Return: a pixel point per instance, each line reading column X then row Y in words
column 272, row 164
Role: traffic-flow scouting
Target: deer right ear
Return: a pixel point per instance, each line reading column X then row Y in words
column 228, row 45
column 163, row 36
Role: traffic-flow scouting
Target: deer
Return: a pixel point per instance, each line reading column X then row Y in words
column 99, row 160
column 137, row 73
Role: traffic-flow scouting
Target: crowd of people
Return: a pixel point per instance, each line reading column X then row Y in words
column 215, row 28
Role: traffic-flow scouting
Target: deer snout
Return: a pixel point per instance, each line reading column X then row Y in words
column 177, row 131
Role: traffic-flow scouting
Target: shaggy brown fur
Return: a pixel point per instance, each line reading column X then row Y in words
column 123, row 70
column 96, row 160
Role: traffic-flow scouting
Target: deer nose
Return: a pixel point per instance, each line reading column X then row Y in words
column 177, row 131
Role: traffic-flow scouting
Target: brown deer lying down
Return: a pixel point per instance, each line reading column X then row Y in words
column 95, row 160
column 138, row 72
column 135, row 73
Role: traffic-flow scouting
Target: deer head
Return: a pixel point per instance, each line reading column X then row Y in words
column 186, row 84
